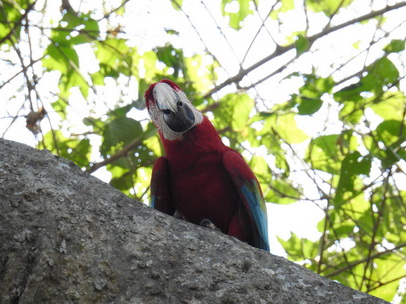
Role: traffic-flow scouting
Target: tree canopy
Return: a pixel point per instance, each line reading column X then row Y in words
column 311, row 92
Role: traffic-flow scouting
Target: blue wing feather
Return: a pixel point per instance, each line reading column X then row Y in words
column 251, row 195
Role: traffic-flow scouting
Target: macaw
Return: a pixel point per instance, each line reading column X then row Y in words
column 200, row 179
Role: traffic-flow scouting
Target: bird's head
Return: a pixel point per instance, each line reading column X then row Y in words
column 170, row 110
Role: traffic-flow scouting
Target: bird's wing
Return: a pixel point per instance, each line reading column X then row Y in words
column 251, row 195
column 161, row 198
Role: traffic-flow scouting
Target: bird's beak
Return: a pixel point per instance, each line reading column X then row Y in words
column 176, row 112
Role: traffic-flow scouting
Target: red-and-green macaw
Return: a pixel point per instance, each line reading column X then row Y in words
column 200, row 179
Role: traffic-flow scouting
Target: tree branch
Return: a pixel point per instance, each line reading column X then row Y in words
column 283, row 49
column 353, row 264
column 18, row 23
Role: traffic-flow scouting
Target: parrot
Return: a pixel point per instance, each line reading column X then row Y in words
column 200, row 179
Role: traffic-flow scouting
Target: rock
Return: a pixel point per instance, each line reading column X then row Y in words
column 67, row 237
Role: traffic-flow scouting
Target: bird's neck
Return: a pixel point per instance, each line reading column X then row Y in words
column 203, row 139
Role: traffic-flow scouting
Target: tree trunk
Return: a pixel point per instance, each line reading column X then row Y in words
column 67, row 237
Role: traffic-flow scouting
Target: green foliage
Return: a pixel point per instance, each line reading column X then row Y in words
column 75, row 149
column 353, row 171
column 302, row 44
column 285, row 6
column 240, row 12
column 328, row 7
column 395, row 46
column 9, row 13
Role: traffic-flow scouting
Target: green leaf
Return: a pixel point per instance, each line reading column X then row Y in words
column 172, row 58
column 60, row 107
column 328, row 7
column 349, row 93
column 281, row 192
column 237, row 10
column 177, row 5
column 323, row 153
column 119, row 133
column 115, row 57
column 391, row 131
column 392, row 134
column 60, row 58
column 139, row 104
column 199, row 74
column 299, row 249
column 351, row 113
column 172, row 31
column 96, row 124
column 261, row 169
column 316, row 86
column 233, row 111
column 284, row 126
column 74, row 79
column 73, row 149
column 391, row 106
column 150, row 64
column 66, row 60
column 302, row 45
column 75, row 29
column 395, row 46
column 9, row 15
column 380, row 75
column 311, row 93
column 98, row 78
column 308, row 106
column 286, row 5
column 121, row 176
column 392, row 266
column 353, row 165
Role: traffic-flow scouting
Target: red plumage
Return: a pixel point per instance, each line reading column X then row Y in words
column 200, row 177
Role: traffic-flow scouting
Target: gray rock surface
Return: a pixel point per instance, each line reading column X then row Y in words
column 66, row 237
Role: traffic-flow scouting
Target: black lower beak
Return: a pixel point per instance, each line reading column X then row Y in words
column 181, row 121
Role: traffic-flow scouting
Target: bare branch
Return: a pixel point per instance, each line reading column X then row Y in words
column 283, row 49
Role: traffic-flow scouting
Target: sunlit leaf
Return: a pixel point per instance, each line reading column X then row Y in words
column 9, row 15
column 389, row 131
column 115, row 57
column 74, row 149
column 121, row 176
column 395, row 46
column 172, row 58
column 324, row 154
column 233, row 111
column 60, row 107
column 380, row 75
column 236, row 10
column 286, row 5
column 199, row 73
column 118, row 134
column 351, row 113
column 328, row 7
column 75, row 29
column 302, row 44
column 308, row 106
column 309, row 100
column 299, row 249
column 392, row 106
column 177, row 5
column 391, row 266
column 353, row 165
column 61, row 58
column 281, row 192
column 283, row 126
